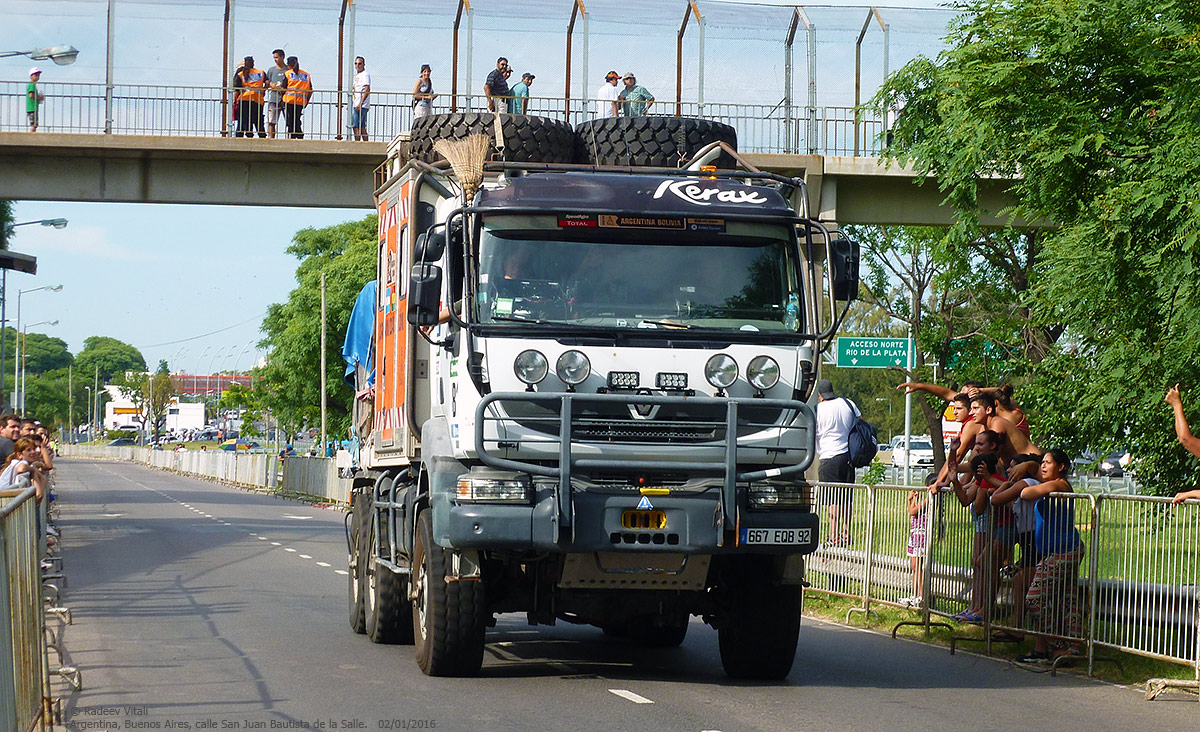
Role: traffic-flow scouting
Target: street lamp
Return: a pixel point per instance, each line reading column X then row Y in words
column 24, row 341
column 54, row 223
column 61, row 55
column 889, row 403
column 89, row 411
column 17, row 351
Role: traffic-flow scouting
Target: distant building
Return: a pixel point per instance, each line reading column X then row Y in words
column 120, row 413
column 207, row 384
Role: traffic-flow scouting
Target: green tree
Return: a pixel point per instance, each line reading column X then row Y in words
column 346, row 254
column 151, row 395
column 42, row 353
column 112, row 356
column 1091, row 110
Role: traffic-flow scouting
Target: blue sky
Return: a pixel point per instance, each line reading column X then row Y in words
column 190, row 284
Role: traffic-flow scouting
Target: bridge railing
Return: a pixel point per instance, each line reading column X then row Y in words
column 191, row 111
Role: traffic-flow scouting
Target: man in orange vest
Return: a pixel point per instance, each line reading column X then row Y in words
column 298, row 90
column 250, row 83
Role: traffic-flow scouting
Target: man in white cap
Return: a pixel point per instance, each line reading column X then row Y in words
column 33, row 98
column 835, row 419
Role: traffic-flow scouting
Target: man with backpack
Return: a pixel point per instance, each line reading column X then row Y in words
column 837, row 418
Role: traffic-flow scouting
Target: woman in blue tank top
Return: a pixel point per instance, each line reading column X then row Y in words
column 1052, row 602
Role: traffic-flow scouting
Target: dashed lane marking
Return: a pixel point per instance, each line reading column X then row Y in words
column 341, row 571
column 288, row 549
column 305, row 556
column 627, row 694
column 323, row 564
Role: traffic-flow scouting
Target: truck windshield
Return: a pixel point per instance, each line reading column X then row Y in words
column 738, row 283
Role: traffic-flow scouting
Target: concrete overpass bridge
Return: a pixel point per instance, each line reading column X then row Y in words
column 340, row 174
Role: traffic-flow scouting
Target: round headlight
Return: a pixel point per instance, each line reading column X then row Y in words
column 531, row 367
column 762, row 372
column 721, row 371
column 573, row 367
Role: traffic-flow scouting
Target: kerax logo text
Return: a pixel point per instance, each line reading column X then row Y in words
column 693, row 192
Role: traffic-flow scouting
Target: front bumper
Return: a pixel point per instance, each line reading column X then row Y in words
column 565, row 516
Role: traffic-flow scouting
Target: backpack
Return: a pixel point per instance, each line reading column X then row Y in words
column 862, row 440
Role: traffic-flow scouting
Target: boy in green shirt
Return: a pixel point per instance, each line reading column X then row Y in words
column 33, row 98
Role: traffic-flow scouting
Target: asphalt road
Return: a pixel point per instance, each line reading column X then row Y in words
column 199, row 606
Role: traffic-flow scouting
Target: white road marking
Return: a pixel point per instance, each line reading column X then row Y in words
column 111, row 515
column 298, row 518
column 288, row 549
column 626, row 694
column 322, row 564
column 341, row 571
column 262, row 538
column 305, row 556
column 275, row 543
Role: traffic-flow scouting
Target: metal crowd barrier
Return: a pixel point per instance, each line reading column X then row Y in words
column 1132, row 585
column 300, row 475
column 24, row 675
column 197, row 111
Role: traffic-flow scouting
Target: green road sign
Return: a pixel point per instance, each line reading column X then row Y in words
column 871, row 353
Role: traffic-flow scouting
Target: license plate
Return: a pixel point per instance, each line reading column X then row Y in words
column 776, row 536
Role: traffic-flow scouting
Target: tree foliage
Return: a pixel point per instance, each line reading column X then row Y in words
column 346, row 254
column 151, row 395
column 1091, row 109
column 113, row 357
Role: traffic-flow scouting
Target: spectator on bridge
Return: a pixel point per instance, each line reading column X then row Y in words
column 422, row 94
column 607, row 95
column 496, row 85
column 297, row 92
column 276, row 80
column 835, row 419
column 33, row 98
column 1053, row 598
column 361, row 99
column 251, row 82
column 635, row 99
column 520, row 94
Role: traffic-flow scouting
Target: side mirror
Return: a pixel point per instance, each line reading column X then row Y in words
column 843, row 269
column 429, row 247
column 424, row 294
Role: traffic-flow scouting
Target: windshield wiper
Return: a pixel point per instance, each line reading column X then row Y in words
column 535, row 321
column 669, row 324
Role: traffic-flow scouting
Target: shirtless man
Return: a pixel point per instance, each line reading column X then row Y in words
column 983, row 412
column 1005, row 406
column 968, row 431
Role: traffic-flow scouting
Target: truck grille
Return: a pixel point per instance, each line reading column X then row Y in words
column 629, row 430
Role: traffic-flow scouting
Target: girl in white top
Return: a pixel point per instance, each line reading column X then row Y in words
column 26, row 452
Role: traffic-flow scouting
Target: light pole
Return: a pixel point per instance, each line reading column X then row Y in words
column 208, row 377
column 54, row 223
column 61, row 55
column 196, row 375
column 17, row 351
column 89, row 411
column 24, row 340
column 890, row 405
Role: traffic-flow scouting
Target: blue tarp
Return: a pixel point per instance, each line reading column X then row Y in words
column 357, row 348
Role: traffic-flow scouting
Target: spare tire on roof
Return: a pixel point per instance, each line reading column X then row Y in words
column 664, row 142
column 527, row 139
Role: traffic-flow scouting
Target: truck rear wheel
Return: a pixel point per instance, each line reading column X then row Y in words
column 358, row 615
column 388, row 610
column 758, row 640
column 527, row 138
column 661, row 142
column 448, row 617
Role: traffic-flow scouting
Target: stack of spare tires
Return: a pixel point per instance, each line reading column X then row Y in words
column 664, row 142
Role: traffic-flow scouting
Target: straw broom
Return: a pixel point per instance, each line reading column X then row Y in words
column 466, row 156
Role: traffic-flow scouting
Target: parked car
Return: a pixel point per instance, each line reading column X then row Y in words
column 122, row 442
column 920, row 455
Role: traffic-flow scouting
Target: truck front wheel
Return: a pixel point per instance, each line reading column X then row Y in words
column 758, row 638
column 448, row 617
column 388, row 611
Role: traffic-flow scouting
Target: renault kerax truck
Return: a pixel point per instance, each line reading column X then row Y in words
column 589, row 399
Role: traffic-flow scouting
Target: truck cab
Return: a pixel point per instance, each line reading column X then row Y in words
column 592, row 403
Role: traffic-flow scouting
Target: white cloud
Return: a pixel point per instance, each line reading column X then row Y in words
column 77, row 241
